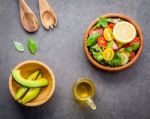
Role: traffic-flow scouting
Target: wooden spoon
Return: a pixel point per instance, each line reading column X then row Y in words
column 28, row 18
column 47, row 14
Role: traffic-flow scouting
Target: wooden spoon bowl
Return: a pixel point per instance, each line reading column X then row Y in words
column 113, row 69
column 26, row 68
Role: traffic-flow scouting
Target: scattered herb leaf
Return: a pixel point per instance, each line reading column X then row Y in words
column 18, row 46
column 32, row 46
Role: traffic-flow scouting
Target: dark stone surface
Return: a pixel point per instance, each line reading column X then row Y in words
column 122, row 95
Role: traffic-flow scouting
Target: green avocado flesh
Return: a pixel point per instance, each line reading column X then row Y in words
column 32, row 93
column 28, row 83
column 22, row 90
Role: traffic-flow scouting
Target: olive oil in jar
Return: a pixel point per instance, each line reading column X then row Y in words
column 84, row 90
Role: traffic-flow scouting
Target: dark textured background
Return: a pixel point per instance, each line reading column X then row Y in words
column 122, row 95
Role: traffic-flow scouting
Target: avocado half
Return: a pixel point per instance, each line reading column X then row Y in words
column 28, row 83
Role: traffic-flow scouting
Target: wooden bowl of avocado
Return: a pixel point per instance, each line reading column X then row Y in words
column 31, row 83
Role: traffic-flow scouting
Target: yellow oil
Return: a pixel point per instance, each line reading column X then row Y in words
column 83, row 89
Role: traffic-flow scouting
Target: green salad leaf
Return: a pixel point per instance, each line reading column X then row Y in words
column 135, row 46
column 101, row 22
column 97, row 56
column 116, row 61
column 129, row 49
column 32, row 46
column 92, row 39
column 95, row 48
column 96, row 52
column 19, row 46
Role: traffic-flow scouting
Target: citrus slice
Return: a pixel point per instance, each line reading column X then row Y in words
column 124, row 32
column 108, row 34
column 108, row 54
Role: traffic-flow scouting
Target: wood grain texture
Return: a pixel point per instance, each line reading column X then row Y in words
column 26, row 68
column 113, row 69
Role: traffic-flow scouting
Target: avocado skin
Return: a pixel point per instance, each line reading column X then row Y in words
column 32, row 93
column 22, row 90
column 27, row 83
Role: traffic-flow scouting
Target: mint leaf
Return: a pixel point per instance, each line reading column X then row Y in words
column 18, row 46
column 32, row 46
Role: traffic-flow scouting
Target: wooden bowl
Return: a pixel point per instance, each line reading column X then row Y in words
column 26, row 68
column 113, row 69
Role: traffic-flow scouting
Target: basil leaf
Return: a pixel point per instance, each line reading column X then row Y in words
column 32, row 46
column 92, row 39
column 19, row 46
column 98, row 56
column 102, row 22
column 135, row 46
column 95, row 48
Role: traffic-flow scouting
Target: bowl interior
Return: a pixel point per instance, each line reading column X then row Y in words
column 27, row 68
column 113, row 69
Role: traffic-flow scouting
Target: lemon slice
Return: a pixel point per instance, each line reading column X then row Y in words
column 124, row 32
column 108, row 54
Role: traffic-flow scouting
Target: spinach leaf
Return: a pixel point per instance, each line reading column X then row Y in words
column 19, row 46
column 92, row 39
column 101, row 22
column 32, row 46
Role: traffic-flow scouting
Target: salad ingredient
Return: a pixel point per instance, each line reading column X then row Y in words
column 113, row 20
column 124, row 58
column 93, row 31
column 92, row 39
column 32, row 46
column 32, row 93
column 111, row 25
column 124, row 32
column 136, row 40
column 112, row 45
column 132, row 55
column 19, row 46
column 97, row 53
column 115, row 62
column 135, row 46
column 98, row 56
column 128, row 49
column 101, row 22
column 22, row 90
column 102, row 42
column 96, row 48
column 108, row 54
column 108, row 34
column 28, row 83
